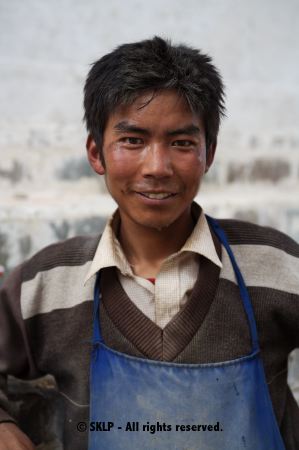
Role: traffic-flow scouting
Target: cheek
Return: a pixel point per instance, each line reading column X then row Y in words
column 120, row 163
column 191, row 174
column 199, row 164
column 192, row 168
column 121, row 169
column 201, row 157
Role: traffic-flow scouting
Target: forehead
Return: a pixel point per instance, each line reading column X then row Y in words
column 158, row 109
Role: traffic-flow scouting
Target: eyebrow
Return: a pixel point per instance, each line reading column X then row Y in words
column 191, row 130
column 127, row 127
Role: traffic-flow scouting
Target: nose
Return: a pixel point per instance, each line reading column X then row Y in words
column 157, row 162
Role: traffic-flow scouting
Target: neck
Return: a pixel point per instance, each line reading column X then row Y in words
column 146, row 248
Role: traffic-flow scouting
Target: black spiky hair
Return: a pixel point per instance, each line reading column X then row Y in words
column 152, row 65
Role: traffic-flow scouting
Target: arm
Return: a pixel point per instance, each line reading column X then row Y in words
column 15, row 358
column 12, row 438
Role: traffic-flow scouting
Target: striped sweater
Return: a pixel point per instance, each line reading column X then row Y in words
column 46, row 320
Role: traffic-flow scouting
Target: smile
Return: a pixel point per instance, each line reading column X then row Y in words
column 157, row 195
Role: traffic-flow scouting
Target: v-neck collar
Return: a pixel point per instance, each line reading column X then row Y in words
column 152, row 341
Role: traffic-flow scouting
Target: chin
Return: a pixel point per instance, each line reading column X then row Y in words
column 158, row 225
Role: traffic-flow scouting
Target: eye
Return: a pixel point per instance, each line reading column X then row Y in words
column 183, row 143
column 132, row 140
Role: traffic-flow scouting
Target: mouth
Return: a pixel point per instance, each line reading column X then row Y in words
column 157, row 195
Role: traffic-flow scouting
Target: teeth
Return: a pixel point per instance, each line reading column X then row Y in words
column 159, row 196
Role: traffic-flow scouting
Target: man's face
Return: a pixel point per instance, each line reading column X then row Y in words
column 155, row 157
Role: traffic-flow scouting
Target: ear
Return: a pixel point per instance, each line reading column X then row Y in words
column 210, row 155
column 93, row 153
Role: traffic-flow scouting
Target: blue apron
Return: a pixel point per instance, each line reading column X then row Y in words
column 141, row 404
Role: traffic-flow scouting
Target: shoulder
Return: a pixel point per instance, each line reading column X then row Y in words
column 245, row 233
column 267, row 257
column 76, row 251
column 54, row 277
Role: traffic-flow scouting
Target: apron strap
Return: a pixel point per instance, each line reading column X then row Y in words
column 97, row 335
column 243, row 290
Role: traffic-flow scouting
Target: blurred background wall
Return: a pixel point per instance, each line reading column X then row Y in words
column 48, row 191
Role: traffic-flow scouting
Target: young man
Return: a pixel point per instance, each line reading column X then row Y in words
column 180, row 342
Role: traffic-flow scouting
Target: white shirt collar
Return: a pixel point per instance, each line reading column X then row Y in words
column 109, row 252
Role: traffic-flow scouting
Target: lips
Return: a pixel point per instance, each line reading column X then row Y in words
column 157, row 195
